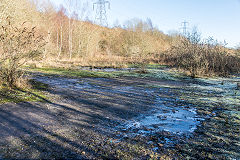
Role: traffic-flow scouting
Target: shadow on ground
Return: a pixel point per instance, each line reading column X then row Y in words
column 81, row 119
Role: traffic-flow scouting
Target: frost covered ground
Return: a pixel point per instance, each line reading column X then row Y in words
column 159, row 115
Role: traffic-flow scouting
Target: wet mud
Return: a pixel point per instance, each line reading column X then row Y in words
column 128, row 117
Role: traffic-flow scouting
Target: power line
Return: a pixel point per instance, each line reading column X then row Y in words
column 101, row 13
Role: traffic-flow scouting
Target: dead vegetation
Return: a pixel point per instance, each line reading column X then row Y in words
column 202, row 57
column 62, row 38
column 18, row 45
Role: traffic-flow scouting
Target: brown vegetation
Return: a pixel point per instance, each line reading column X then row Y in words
column 202, row 57
column 18, row 44
column 70, row 41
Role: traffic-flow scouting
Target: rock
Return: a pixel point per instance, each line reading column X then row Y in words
column 238, row 86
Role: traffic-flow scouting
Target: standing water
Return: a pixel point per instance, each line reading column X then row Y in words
column 167, row 116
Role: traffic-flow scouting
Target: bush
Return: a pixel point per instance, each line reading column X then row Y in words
column 202, row 57
column 18, row 44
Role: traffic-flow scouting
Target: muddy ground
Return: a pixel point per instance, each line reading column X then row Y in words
column 125, row 118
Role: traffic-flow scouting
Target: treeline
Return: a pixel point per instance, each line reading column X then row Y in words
column 70, row 38
column 40, row 34
column 74, row 40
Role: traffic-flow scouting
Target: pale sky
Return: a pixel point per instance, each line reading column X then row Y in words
column 217, row 18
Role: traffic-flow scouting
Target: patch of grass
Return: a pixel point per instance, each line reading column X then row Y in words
column 149, row 66
column 151, row 73
column 38, row 85
column 75, row 73
column 36, row 93
column 218, row 136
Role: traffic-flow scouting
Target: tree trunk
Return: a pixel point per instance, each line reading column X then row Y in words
column 61, row 41
column 57, row 40
column 70, row 38
column 48, row 41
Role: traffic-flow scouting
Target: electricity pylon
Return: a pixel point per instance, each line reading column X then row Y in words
column 184, row 28
column 101, row 13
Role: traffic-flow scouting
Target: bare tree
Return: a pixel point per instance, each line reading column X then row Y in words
column 60, row 20
column 70, row 10
column 76, row 11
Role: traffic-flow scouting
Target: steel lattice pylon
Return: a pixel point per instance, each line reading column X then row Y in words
column 185, row 28
column 101, row 13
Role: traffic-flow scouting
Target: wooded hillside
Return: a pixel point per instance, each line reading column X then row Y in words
column 68, row 40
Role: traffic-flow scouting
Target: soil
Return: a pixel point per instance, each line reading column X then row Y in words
column 120, row 118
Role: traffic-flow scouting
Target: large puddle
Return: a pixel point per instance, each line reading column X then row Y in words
column 184, row 119
column 166, row 117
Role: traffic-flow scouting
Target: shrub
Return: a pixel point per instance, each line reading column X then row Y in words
column 202, row 57
column 18, row 44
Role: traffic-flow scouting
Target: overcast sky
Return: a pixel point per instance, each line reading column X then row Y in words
column 217, row 18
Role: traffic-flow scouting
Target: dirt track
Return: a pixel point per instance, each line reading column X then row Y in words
column 81, row 120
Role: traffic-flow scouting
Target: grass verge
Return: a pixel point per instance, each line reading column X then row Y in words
column 75, row 73
column 17, row 95
column 153, row 71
